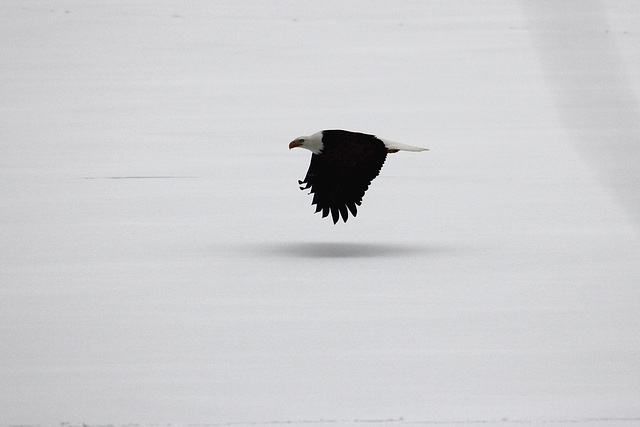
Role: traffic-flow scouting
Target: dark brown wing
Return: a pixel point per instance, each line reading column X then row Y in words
column 340, row 175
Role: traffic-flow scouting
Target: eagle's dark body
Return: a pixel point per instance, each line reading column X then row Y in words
column 340, row 175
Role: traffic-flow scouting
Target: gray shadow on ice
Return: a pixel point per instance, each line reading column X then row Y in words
column 342, row 249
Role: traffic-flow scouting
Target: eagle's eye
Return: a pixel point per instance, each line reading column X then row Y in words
column 301, row 139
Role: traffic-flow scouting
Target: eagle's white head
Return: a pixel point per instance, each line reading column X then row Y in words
column 312, row 143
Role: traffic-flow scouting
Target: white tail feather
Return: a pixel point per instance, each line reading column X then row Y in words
column 392, row 145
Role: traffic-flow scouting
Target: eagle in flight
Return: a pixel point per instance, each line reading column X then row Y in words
column 343, row 164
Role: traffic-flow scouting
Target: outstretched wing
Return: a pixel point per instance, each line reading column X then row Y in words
column 342, row 173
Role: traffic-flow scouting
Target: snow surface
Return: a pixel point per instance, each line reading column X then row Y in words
column 159, row 264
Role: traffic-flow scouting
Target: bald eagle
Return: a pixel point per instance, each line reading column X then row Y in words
column 343, row 164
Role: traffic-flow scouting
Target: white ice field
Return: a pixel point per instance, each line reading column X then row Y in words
column 159, row 264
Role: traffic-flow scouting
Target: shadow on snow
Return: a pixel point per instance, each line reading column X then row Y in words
column 342, row 249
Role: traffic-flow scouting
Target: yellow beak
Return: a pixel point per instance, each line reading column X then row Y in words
column 294, row 144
